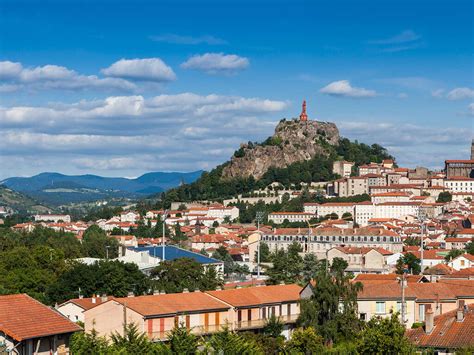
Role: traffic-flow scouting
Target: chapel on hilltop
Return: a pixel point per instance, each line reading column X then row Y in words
column 303, row 115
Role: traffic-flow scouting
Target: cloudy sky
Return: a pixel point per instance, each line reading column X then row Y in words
column 120, row 88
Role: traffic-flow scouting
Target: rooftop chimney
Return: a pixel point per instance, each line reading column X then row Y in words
column 104, row 298
column 162, row 292
column 429, row 319
column 130, row 294
column 185, row 290
column 93, row 299
column 156, row 292
column 460, row 312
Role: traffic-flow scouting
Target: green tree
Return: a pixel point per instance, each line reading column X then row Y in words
column 176, row 275
column 454, row 253
column 112, row 278
column 332, row 308
column 444, row 197
column 470, row 247
column 95, row 243
column 287, row 265
column 265, row 254
column 88, row 343
column 182, row 341
column 273, row 327
column 384, row 336
column 230, row 267
column 134, row 342
column 228, row 342
column 409, row 261
column 305, row 341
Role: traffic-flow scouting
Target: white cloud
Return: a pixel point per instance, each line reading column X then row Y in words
column 16, row 77
column 216, row 63
column 402, row 95
column 132, row 134
column 180, row 39
column 149, row 69
column 439, row 93
column 412, row 144
column 402, row 37
column 343, row 88
column 460, row 94
column 470, row 108
column 402, row 41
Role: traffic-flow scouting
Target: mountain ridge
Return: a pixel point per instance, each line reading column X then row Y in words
column 56, row 188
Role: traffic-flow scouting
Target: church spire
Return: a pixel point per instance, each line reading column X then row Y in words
column 303, row 116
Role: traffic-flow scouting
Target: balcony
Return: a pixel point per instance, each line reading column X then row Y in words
column 260, row 323
column 243, row 325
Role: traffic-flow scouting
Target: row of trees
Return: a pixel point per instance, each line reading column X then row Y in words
column 41, row 264
column 378, row 336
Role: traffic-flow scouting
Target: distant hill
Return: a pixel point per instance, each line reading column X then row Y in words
column 58, row 189
column 20, row 203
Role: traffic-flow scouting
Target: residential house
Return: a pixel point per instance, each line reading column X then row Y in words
column 447, row 333
column 74, row 309
column 463, row 261
column 29, row 327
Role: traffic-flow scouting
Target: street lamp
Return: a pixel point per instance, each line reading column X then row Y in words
column 107, row 252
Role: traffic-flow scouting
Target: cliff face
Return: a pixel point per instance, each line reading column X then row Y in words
column 293, row 141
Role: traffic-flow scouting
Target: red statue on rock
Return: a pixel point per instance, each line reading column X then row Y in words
column 303, row 116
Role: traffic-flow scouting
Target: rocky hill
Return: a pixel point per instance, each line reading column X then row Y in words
column 293, row 141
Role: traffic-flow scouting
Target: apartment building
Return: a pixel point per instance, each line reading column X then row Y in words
column 380, row 298
column 310, row 207
column 362, row 260
column 280, row 217
column 201, row 312
column 321, row 240
column 355, row 185
column 338, row 208
column 56, row 218
column 342, row 168
column 459, row 184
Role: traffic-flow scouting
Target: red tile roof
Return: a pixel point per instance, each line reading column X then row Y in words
column 88, row 303
column 22, row 317
column 258, row 295
column 447, row 333
column 172, row 303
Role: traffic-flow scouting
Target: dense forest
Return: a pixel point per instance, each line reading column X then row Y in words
column 210, row 186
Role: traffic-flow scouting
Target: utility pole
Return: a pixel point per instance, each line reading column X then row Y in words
column 163, row 245
column 403, row 285
column 421, row 217
column 259, row 217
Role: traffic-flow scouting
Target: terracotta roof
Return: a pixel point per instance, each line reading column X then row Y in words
column 87, row 303
column 420, row 291
column 258, row 295
column 463, row 273
column 22, row 317
column 439, row 269
column 447, row 331
column 172, row 303
column 386, row 277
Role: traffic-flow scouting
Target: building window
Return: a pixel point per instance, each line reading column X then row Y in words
column 421, row 313
column 380, row 307
column 363, row 316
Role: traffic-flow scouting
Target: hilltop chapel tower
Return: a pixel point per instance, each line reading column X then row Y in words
column 303, row 115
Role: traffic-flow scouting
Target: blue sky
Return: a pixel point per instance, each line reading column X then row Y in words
column 119, row 88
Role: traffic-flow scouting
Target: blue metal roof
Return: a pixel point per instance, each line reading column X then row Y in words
column 172, row 253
